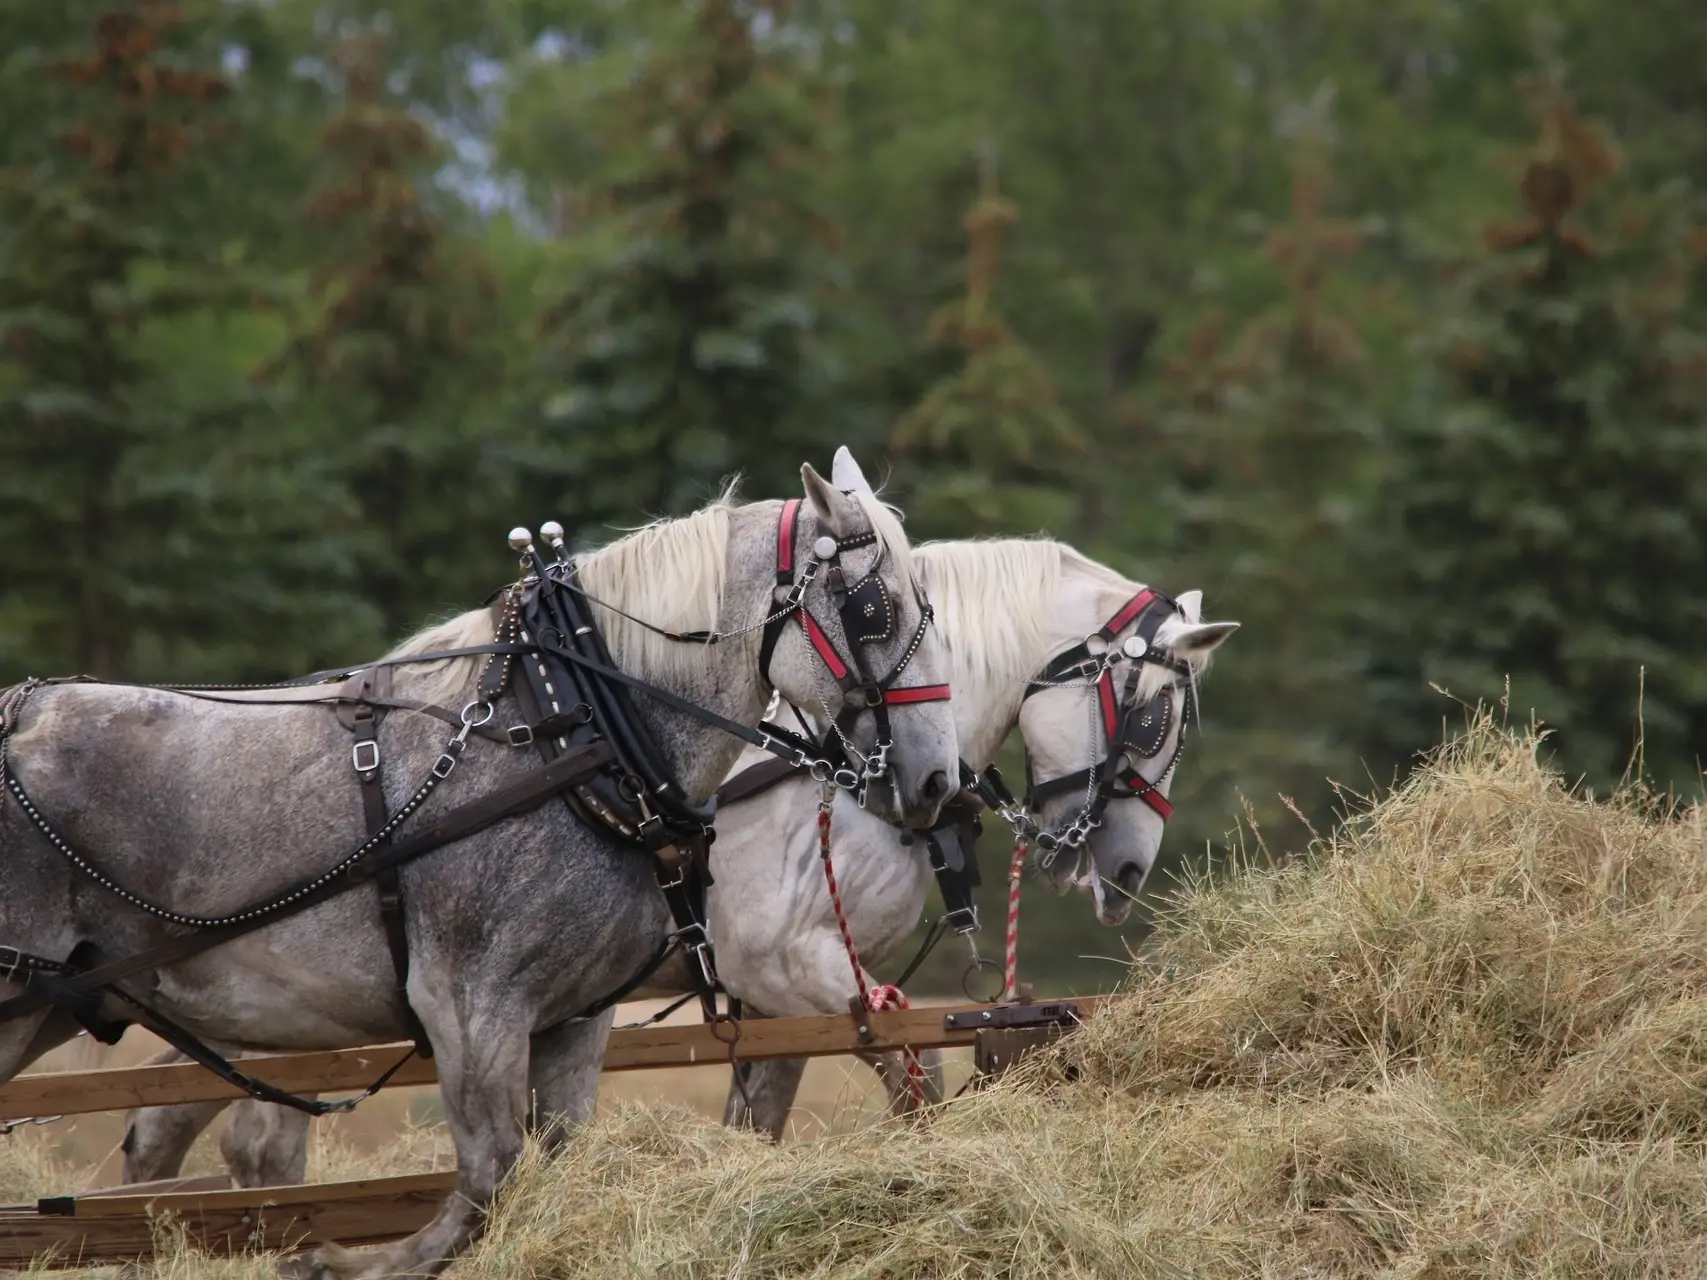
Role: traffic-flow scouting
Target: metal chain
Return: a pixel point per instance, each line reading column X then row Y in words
column 440, row 771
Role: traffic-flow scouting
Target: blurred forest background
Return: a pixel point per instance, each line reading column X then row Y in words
column 1383, row 324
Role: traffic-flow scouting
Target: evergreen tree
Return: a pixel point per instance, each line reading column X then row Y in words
column 181, row 541
column 1267, row 431
column 986, row 440
column 1549, row 499
column 687, row 340
column 394, row 371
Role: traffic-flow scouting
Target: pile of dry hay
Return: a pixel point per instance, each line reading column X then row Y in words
column 1467, row 1038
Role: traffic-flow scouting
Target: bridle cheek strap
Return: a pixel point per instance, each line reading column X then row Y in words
column 821, row 643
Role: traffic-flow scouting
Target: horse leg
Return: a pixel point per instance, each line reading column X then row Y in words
column 156, row 1139
column 265, row 1145
column 762, row 1094
column 563, row 1076
column 891, row 1068
column 26, row 1039
column 481, row 1047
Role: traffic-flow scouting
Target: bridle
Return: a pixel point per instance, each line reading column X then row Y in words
column 869, row 613
column 1129, row 729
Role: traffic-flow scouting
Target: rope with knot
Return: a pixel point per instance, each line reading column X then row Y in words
column 873, row 997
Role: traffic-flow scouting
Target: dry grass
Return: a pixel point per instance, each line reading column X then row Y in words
column 1466, row 1039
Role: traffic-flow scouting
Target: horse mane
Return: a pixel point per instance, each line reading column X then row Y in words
column 997, row 598
column 671, row 573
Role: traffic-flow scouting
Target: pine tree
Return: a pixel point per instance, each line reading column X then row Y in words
column 1549, row 501
column 687, row 340
column 394, row 366
column 985, row 441
column 180, row 542
column 1266, row 433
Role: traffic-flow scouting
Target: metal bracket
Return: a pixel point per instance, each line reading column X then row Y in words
column 862, row 1020
column 1053, row 1013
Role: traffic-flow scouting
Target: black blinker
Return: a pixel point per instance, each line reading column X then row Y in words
column 1146, row 727
column 868, row 612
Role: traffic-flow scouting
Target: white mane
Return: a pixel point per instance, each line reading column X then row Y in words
column 671, row 573
column 999, row 601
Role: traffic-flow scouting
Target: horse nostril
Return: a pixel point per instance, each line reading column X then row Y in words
column 936, row 787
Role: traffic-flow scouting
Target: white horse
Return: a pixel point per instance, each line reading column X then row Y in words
column 1007, row 608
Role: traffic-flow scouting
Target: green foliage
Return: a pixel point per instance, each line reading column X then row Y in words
column 395, row 353
column 986, row 440
column 105, row 275
column 304, row 302
column 1268, row 435
column 687, row 338
column 1547, row 504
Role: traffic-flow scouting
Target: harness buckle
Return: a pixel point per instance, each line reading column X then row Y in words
column 519, row 735
column 11, row 963
column 443, row 765
column 702, row 953
column 364, row 756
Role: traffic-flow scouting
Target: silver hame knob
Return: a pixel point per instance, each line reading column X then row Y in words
column 552, row 532
column 520, row 539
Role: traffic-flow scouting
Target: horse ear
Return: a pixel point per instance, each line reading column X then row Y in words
column 830, row 506
column 846, row 475
column 1191, row 605
column 1196, row 641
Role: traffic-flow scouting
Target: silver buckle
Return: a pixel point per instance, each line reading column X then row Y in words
column 520, row 735
column 365, row 756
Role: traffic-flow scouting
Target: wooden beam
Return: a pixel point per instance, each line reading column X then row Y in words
column 632, row 1049
column 121, row 1224
column 113, row 1229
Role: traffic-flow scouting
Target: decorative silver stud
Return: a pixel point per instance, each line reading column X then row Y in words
column 824, row 548
column 1135, row 647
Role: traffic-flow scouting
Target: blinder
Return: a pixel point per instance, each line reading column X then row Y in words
column 1144, row 729
column 868, row 610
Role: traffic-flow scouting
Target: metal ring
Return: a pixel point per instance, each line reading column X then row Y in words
column 624, row 785
column 1095, row 645
column 982, row 962
column 470, row 723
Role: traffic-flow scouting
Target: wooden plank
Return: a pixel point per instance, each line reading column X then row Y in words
column 632, row 1049
column 113, row 1229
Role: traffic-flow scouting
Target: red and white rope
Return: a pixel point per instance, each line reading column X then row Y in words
column 1010, row 966
column 874, row 997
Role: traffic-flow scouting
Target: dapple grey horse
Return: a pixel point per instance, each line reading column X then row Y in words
column 208, row 807
column 1007, row 607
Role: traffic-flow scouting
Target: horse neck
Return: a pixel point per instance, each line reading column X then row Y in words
column 725, row 677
